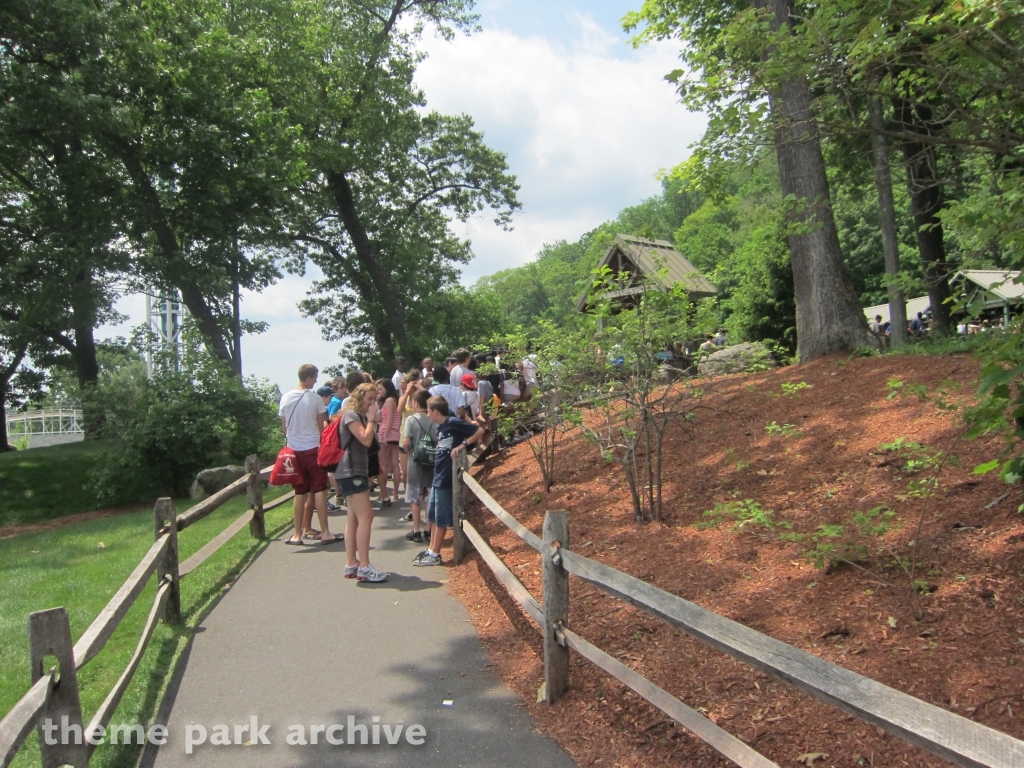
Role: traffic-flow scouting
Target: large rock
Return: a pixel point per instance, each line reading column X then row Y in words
column 209, row 481
column 750, row 356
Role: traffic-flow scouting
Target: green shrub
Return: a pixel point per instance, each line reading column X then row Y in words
column 743, row 514
column 179, row 422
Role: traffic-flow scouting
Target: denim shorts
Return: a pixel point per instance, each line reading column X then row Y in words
column 350, row 486
column 440, row 510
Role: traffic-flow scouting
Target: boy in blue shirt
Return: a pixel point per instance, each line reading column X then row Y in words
column 453, row 436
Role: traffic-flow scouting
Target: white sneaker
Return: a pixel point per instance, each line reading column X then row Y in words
column 371, row 574
column 427, row 559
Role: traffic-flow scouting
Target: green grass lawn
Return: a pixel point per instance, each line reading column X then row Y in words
column 68, row 567
column 45, row 483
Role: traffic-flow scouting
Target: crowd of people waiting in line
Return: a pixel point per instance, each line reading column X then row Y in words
column 920, row 326
column 403, row 431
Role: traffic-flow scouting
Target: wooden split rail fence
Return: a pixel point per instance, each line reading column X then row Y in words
column 54, row 694
column 948, row 735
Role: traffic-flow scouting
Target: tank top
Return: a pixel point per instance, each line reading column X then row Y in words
column 389, row 430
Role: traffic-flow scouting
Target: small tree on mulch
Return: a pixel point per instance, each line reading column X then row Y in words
column 548, row 413
column 642, row 395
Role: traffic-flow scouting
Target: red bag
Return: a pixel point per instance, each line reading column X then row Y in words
column 330, row 453
column 286, row 468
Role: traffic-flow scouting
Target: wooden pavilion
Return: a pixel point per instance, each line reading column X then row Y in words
column 642, row 263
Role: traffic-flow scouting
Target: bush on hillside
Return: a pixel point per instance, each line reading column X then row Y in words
column 181, row 421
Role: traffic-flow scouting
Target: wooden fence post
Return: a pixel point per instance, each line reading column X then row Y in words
column 257, row 527
column 556, row 604
column 49, row 634
column 166, row 514
column 460, row 544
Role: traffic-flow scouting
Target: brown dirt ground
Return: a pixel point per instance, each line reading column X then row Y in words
column 965, row 654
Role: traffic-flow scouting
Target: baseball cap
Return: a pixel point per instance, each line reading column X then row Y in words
column 468, row 381
column 325, row 391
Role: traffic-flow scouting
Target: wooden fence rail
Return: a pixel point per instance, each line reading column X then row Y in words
column 54, row 692
column 948, row 735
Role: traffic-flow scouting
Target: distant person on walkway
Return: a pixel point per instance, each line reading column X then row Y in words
column 917, row 327
column 419, row 476
column 427, row 369
column 453, row 436
column 327, row 395
column 878, row 329
column 303, row 415
column 388, row 435
column 528, row 367
column 709, row 343
column 461, row 367
column 721, row 338
column 358, row 433
column 340, row 393
column 470, row 398
column 399, row 374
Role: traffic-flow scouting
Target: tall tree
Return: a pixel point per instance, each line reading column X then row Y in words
column 166, row 99
column 387, row 178
column 828, row 315
column 887, row 217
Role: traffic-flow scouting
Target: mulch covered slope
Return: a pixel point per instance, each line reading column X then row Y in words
column 965, row 653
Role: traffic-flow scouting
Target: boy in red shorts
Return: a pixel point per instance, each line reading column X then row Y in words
column 303, row 414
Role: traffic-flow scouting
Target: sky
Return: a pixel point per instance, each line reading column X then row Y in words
column 585, row 120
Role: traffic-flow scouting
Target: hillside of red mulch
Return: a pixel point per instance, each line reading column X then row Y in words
column 965, row 653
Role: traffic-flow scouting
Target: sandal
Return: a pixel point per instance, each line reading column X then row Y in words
column 311, row 535
column 294, row 542
column 338, row 537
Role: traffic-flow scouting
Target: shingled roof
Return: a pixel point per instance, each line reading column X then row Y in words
column 648, row 258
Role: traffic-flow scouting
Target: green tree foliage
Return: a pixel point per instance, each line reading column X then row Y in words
column 165, row 429
column 738, row 239
column 387, row 176
column 158, row 114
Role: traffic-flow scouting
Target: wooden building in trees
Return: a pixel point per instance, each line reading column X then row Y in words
column 642, row 264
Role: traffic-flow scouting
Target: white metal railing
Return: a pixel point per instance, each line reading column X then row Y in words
column 51, row 421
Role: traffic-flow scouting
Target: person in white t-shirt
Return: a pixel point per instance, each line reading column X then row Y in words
column 444, row 388
column 399, row 374
column 461, row 368
column 528, row 367
column 303, row 415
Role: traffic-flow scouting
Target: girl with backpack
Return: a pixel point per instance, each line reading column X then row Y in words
column 358, row 438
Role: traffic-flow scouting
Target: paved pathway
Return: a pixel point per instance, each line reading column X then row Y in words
column 292, row 642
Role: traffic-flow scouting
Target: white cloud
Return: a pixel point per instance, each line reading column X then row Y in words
column 290, row 341
column 586, row 125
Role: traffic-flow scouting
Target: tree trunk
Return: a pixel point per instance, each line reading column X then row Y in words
column 87, row 367
column 175, row 268
column 926, row 201
column 828, row 312
column 369, row 261
column 236, row 317
column 5, row 445
column 887, row 217
column 6, row 374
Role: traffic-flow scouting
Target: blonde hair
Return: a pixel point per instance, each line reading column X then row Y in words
column 356, row 396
